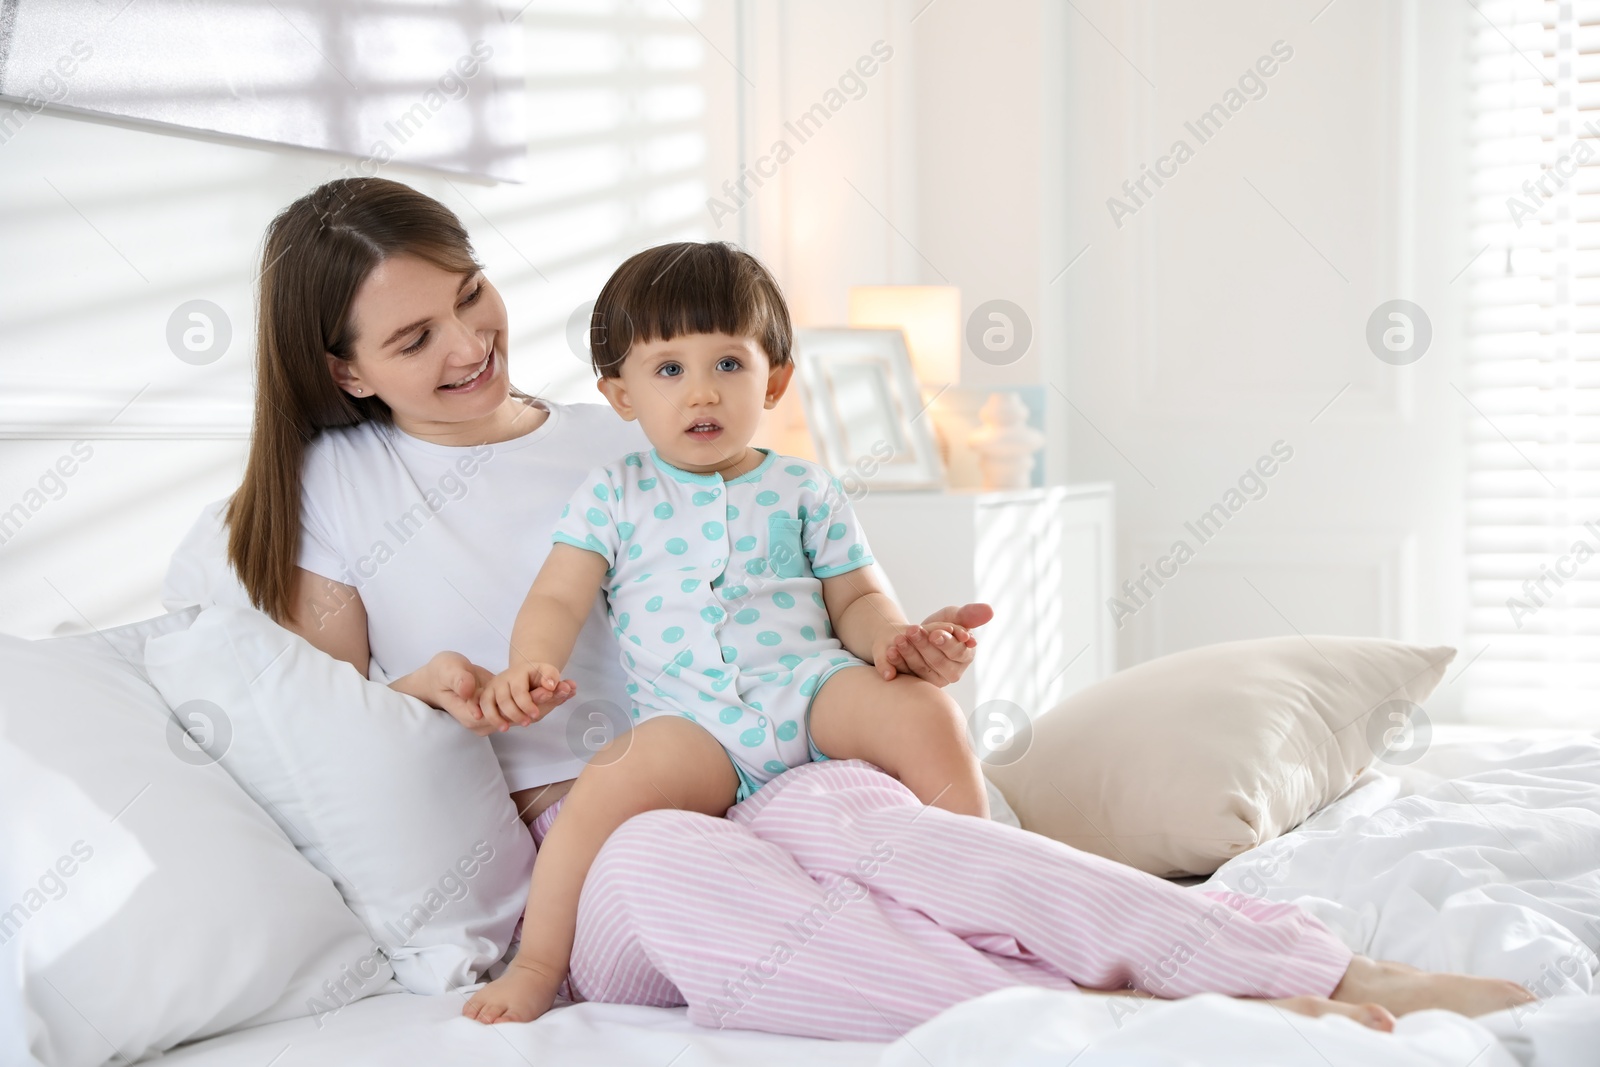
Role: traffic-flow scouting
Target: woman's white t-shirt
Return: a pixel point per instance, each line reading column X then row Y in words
column 442, row 542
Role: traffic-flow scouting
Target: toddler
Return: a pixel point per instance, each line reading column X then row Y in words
column 738, row 584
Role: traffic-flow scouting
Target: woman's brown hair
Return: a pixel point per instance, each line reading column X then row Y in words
column 317, row 253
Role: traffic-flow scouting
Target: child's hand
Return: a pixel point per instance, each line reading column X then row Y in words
column 922, row 650
column 524, row 694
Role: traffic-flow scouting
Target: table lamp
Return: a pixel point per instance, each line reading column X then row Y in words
column 930, row 318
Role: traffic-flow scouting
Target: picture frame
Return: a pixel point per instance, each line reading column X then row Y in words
column 864, row 408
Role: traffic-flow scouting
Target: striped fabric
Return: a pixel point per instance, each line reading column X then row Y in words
column 833, row 904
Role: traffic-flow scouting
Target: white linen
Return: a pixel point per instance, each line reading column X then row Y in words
column 1035, row 1026
column 144, row 898
column 395, row 801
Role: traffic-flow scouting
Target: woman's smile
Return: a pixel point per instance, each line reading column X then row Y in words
column 484, row 372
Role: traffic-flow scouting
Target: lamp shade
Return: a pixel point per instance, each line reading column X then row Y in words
column 929, row 316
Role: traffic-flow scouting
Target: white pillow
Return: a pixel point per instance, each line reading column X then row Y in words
column 401, row 806
column 145, row 900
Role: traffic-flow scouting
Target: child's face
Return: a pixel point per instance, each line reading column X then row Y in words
column 711, row 379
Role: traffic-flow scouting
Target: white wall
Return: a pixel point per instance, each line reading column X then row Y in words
column 1172, row 353
column 107, row 228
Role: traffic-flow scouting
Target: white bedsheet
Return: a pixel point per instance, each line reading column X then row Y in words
column 1481, row 857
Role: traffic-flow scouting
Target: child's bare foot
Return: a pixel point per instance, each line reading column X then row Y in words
column 520, row 995
column 1404, row 989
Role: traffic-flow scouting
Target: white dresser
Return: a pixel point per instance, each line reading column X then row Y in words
column 1044, row 558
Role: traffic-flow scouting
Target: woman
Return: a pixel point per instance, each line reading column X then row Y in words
column 397, row 501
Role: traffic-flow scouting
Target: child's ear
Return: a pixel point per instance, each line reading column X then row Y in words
column 778, row 383
column 617, row 394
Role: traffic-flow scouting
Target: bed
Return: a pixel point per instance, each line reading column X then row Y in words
column 1482, row 856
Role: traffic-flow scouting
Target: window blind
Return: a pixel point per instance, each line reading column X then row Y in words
column 1532, row 372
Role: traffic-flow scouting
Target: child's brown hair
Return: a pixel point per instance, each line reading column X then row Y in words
column 684, row 288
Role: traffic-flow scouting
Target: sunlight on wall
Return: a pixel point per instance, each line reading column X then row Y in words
column 111, row 229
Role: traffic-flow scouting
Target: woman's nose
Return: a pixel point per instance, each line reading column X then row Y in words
column 465, row 343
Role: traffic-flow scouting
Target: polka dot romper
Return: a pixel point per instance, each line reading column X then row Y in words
column 714, row 591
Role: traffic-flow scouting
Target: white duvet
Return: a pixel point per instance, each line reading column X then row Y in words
column 1480, row 858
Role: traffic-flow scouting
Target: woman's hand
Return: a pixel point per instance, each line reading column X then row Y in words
column 940, row 649
column 454, row 684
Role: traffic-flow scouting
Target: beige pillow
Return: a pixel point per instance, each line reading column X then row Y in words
column 1181, row 763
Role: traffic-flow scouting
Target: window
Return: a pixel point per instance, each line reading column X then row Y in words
column 1533, row 363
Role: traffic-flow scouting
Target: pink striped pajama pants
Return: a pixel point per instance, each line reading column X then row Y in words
column 833, row 904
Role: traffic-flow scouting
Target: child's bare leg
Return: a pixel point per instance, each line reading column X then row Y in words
column 667, row 762
column 913, row 729
column 1402, row 989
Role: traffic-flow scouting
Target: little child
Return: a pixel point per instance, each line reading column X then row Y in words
column 738, row 584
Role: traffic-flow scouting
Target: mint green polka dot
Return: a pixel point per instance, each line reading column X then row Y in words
column 632, row 460
column 809, row 686
column 772, row 766
column 819, row 512
column 808, row 633
column 787, row 730
column 795, row 468
column 791, row 661
column 783, row 600
column 808, row 484
column 836, row 531
column 635, row 639
column 566, row 509
column 733, row 512
column 767, row 497
column 734, row 592
column 635, row 551
column 801, row 513
column 712, row 614
column 647, row 483
column 595, row 516
column 601, row 492
column 672, row 633
column 622, row 620
column 689, row 715
column 747, row 616
column 634, row 712
column 769, row 637
column 745, row 543
column 755, row 566
column 678, row 546
column 594, row 542
column 663, row 510
column 707, row 697
column 856, row 552
column 629, row 658
column 684, row 658
column 729, row 653
column 625, row 529
column 654, row 603
column 752, row 737
column 730, row 715
column 672, row 670
column 632, row 687
column 757, row 705
column 642, row 577
column 703, row 497
column 688, row 585
column 712, row 530
column 818, row 598
column 770, row 676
